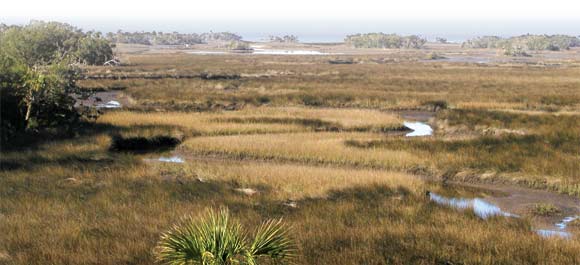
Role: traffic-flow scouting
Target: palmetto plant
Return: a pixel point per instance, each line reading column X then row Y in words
column 215, row 239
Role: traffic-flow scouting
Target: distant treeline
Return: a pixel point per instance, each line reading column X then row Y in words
column 526, row 42
column 173, row 38
column 285, row 39
column 382, row 40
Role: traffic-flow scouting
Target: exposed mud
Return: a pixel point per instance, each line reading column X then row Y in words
column 519, row 200
column 104, row 100
column 416, row 115
column 484, row 208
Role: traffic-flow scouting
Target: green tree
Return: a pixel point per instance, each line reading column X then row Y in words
column 38, row 76
column 43, row 43
column 94, row 50
column 215, row 239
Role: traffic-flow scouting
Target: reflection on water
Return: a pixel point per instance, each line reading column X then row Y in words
column 485, row 209
column 113, row 104
column 266, row 52
column 419, row 129
column 287, row 52
column 565, row 221
column 479, row 206
column 173, row 159
column 551, row 233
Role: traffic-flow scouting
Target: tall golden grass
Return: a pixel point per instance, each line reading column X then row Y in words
column 316, row 153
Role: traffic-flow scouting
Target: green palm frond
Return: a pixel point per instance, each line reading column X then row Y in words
column 273, row 240
column 215, row 239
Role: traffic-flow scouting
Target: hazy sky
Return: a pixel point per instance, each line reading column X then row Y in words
column 309, row 18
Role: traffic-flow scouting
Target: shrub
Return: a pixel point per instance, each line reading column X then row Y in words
column 215, row 239
column 437, row 104
column 545, row 209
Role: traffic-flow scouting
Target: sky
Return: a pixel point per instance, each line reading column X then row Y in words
column 327, row 20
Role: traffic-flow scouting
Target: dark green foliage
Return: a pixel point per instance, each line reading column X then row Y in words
column 38, row 76
column 92, row 49
column 41, row 43
column 12, row 77
column 36, row 98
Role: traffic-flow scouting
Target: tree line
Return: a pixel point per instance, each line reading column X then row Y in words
column 38, row 72
column 525, row 42
column 173, row 38
column 382, row 40
column 284, row 39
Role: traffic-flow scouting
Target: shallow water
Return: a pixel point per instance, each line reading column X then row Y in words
column 565, row 221
column 419, row 129
column 207, row 52
column 479, row 206
column 113, row 104
column 173, row 159
column 260, row 51
column 553, row 233
column 485, row 209
column 287, row 52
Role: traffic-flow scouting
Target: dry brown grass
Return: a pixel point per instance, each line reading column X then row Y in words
column 364, row 85
column 117, row 207
column 73, row 201
column 290, row 181
column 258, row 120
column 324, row 148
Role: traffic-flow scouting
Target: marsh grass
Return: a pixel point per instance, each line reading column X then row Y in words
column 114, row 210
column 547, row 157
column 316, row 148
column 314, row 82
column 70, row 200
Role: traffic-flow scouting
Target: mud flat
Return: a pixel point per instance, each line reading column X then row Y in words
column 516, row 202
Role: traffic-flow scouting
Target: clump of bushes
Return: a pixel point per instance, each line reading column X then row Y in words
column 436, row 105
column 284, row 39
column 545, row 209
column 342, row 61
column 218, row 76
column 382, row 40
column 435, row 56
column 240, row 46
column 516, row 51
